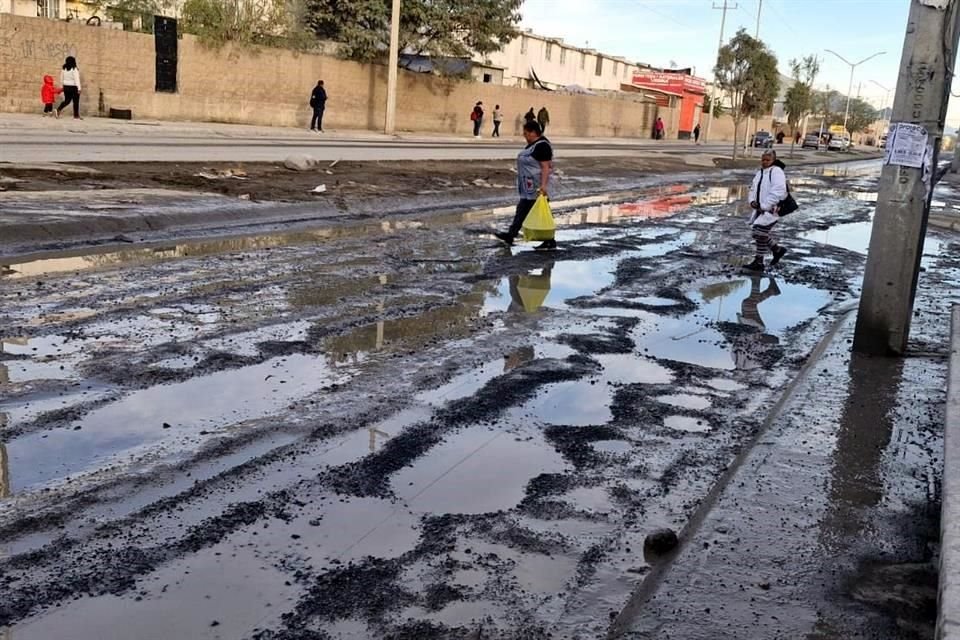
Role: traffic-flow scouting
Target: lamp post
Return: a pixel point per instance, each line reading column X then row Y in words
column 389, row 120
column 853, row 65
column 883, row 105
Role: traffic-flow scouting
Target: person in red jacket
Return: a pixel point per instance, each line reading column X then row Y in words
column 48, row 93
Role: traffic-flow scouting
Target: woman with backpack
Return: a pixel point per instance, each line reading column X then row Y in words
column 477, row 117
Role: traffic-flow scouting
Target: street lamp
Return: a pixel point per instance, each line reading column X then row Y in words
column 853, row 65
column 883, row 105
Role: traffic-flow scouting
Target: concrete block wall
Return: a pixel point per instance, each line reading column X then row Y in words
column 272, row 87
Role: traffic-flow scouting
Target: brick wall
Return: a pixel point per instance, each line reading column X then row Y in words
column 271, row 87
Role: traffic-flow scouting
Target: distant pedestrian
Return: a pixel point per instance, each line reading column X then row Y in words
column 70, row 81
column 696, row 134
column 780, row 136
column 534, row 164
column 318, row 102
column 796, row 137
column 529, row 116
column 658, row 129
column 497, row 119
column 543, row 119
column 48, row 94
column 768, row 189
column 477, row 117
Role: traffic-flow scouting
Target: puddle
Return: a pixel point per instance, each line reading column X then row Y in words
column 760, row 301
column 686, row 423
column 446, row 479
column 629, row 368
column 724, row 384
column 685, row 401
column 551, row 285
column 855, row 236
column 576, row 403
column 136, row 421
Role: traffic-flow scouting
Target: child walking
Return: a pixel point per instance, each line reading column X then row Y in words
column 48, row 94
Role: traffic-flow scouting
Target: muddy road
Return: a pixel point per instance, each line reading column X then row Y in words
column 395, row 430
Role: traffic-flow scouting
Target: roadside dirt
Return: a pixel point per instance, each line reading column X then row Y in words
column 343, row 180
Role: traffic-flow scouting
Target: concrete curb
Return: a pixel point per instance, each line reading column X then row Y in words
column 948, row 600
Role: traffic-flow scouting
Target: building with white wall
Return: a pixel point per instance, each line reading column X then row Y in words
column 557, row 65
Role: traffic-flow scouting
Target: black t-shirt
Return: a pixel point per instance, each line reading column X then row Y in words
column 543, row 152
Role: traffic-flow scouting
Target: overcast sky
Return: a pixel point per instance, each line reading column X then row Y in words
column 686, row 33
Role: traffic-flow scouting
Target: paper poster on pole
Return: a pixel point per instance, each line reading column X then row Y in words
column 906, row 145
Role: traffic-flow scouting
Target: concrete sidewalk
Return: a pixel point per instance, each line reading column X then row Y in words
column 21, row 125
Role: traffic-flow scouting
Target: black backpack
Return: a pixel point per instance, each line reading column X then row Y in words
column 786, row 206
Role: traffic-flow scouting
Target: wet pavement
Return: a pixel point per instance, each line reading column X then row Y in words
column 401, row 430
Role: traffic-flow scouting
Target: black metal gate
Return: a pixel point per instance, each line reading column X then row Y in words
column 165, row 42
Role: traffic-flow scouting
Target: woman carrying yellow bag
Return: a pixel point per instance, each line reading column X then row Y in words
column 534, row 164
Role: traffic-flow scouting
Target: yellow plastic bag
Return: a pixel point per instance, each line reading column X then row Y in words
column 539, row 223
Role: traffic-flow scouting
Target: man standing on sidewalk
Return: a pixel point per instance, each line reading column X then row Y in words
column 534, row 164
column 543, row 119
column 318, row 100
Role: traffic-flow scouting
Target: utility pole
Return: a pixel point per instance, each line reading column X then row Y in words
column 903, row 202
column 713, row 86
column 755, row 116
column 389, row 122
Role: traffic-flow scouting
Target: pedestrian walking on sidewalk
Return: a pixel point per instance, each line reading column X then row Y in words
column 768, row 189
column 543, row 119
column 477, row 117
column 48, row 94
column 658, row 129
column 318, row 102
column 530, row 116
column 696, row 134
column 497, row 119
column 70, row 81
column 534, row 164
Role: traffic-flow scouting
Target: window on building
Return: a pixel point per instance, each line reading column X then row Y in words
column 48, row 8
column 548, row 51
column 488, row 78
column 523, row 44
column 583, row 61
column 599, row 69
column 563, row 56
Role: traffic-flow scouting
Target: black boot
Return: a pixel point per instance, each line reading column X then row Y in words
column 755, row 266
column 778, row 253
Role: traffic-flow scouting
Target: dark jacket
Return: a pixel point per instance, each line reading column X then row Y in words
column 318, row 99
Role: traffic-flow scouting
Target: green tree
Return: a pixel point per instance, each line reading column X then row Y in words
column 436, row 28
column 717, row 107
column 245, row 22
column 799, row 101
column 747, row 70
column 862, row 115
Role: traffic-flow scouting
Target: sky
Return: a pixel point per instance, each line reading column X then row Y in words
column 686, row 33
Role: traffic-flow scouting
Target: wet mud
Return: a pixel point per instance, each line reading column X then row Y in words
column 400, row 432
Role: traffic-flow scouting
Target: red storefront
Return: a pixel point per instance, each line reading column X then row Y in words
column 688, row 90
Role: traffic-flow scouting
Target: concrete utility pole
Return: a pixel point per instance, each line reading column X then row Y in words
column 903, row 204
column 713, row 86
column 883, row 108
column 756, row 119
column 853, row 65
column 390, row 120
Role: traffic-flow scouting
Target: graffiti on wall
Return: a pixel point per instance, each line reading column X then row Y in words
column 36, row 49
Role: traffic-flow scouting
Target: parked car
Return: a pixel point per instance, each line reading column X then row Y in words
column 811, row 141
column 762, row 139
column 839, row 143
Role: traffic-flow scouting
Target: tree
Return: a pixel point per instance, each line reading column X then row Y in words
column 799, row 100
column 717, row 107
column 246, row 22
column 436, row 28
column 747, row 70
column 862, row 115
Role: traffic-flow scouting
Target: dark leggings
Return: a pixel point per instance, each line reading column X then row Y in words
column 70, row 94
column 523, row 208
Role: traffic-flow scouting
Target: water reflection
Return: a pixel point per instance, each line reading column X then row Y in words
column 866, row 427
column 529, row 291
column 746, row 347
column 4, row 463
